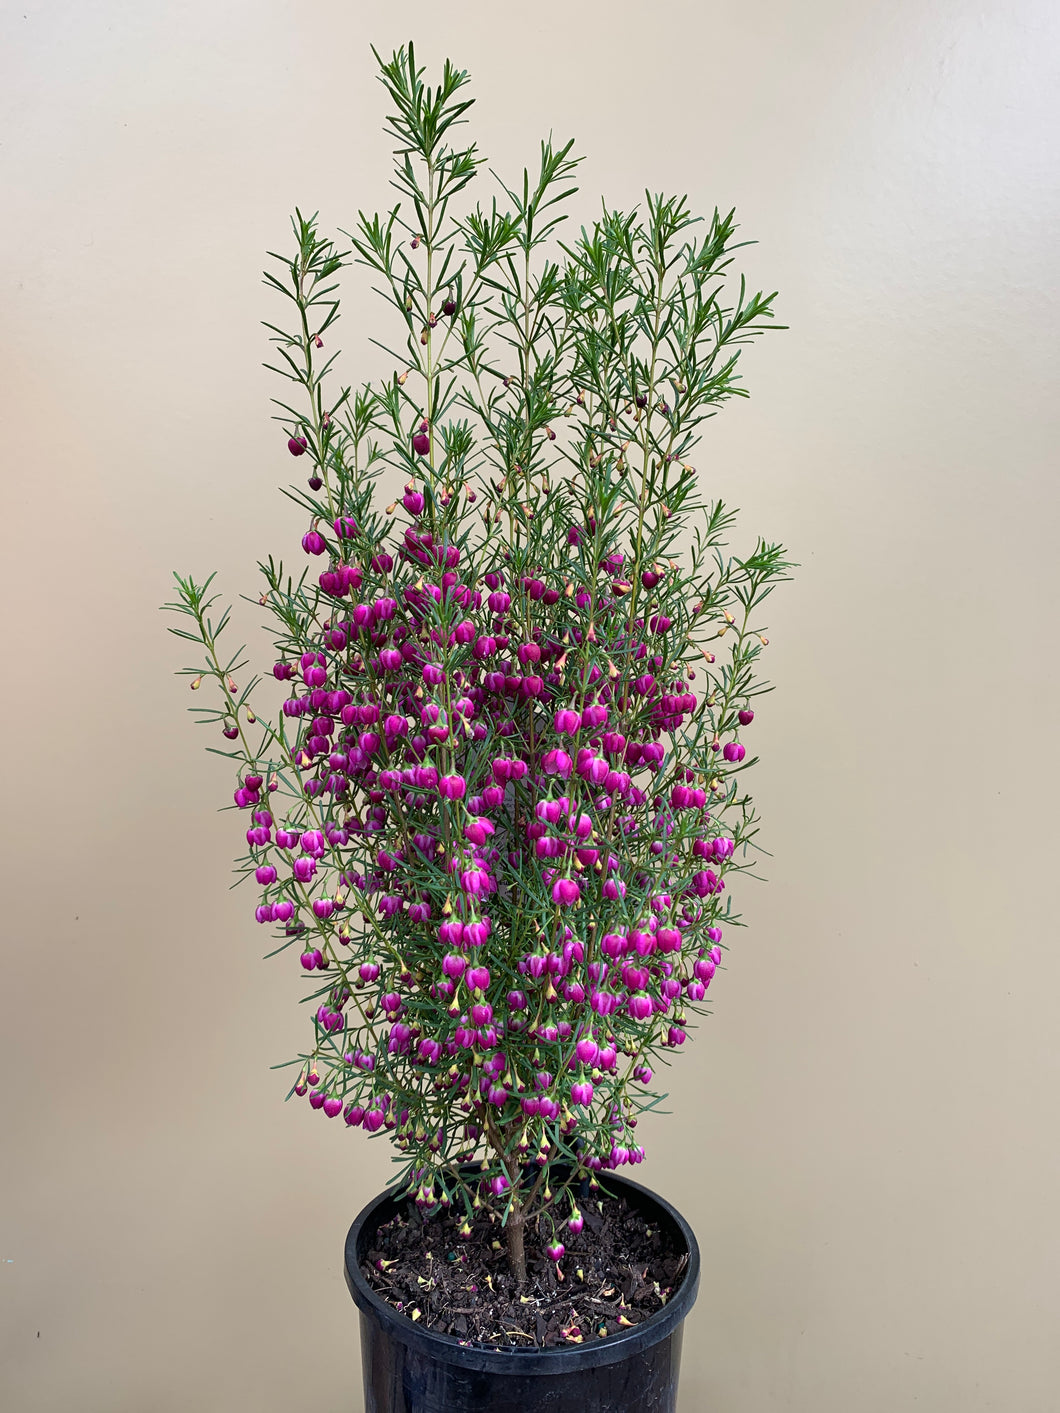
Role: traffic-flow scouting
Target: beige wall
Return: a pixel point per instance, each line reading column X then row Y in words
column 865, row 1135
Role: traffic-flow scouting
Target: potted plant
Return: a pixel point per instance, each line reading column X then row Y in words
column 495, row 817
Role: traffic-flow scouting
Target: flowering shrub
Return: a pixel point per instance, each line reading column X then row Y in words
column 497, row 815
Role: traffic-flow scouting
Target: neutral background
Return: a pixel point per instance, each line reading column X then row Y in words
column 865, row 1134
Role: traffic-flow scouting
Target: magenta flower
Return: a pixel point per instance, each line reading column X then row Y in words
column 565, row 891
column 313, row 542
column 451, row 933
column 558, row 763
column 475, row 881
column 475, row 933
column 733, row 751
column 639, row 1007
column 567, row 723
column 297, row 445
column 421, row 442
column 452, row 787
column 706, row 882
column 581, row 1093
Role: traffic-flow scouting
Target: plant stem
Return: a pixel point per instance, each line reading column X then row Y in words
column 516, row 1247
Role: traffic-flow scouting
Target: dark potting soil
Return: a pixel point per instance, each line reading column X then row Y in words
column 619, row 1271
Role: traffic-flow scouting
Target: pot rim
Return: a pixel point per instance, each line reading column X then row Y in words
column 486, row 1358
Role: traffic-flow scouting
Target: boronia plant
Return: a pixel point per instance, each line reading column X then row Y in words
column 497, row 816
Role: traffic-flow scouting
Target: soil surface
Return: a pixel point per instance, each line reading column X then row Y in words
column 615, row 1274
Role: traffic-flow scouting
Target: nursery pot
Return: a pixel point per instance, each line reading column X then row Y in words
column 409, row 1369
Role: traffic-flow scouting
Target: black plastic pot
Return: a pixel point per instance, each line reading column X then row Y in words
column 408, row 1369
